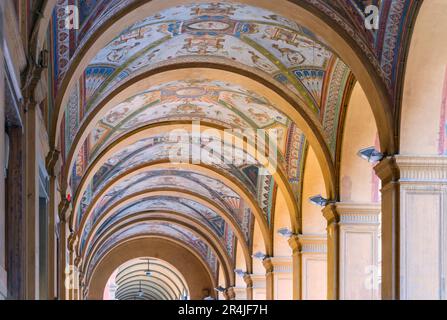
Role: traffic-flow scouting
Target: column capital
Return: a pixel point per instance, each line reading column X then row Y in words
column 248, row 280
column 268, row 265
column 52, row 160
column 331, row 214
column 359, row 213
column 294, row 243
column 387, row 170
column 63, row 209
column 229, row 293
column 72, row 241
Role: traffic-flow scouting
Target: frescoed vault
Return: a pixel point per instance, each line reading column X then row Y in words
column 155, row 228
column 113, row 120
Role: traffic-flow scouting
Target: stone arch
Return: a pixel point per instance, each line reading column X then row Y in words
column 198, row 279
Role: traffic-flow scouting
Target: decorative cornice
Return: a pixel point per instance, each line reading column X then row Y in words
column 313, row 243
column 359, row 213
column 282, row 264
column 431, row 169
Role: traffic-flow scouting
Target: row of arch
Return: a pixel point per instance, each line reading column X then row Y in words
column 106, row 204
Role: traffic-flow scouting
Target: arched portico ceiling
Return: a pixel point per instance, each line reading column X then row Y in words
column 213, row 101
column 381, row 45
column 251, row 36
column 164, row 278
column 153, row 149
column 172, row 206
column 157, row 228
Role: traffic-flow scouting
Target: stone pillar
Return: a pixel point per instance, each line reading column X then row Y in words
column 15, row 217
column 388, row 172
column 63, row 263
column 269, row 288
column 282, row 278
column 32, row 203
column 3, row 275
column 259, row 286
column 52, row 165
column 313, row 267
column 414, row 226
column 294, row 243
column 359, row 250
column 333, row 252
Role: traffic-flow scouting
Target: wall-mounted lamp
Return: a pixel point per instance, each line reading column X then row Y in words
column 319, row 201
column 220, row 289
column 148, row 271
column 240, row 272
column 370, row 154
column 285, row 232
column 259, row 256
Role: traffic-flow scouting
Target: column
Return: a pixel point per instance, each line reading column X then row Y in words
column 333, row 252
column 3, row 275
column 388, row 172
column 52, row 165
column 63, row 263
column 269, row 281
column 359, row 250
column 294, row 243
column 414, row 226
column 282, row 278
column 313, row 267
column 32, row 203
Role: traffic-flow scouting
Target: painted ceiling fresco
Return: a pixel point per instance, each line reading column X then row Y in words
column 186, row 207
column 214, row 101
column 251, row 36
column 170, row 230
column 150, row 149
column 192, row 181
column 383, row 46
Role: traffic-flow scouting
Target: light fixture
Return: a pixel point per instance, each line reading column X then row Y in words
column 370, row 154
column 140, row 292
column 319, row 201
column 240, row 272
column 148, row 271
column 220, row 289
column 259, row 255
column 285, row 232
